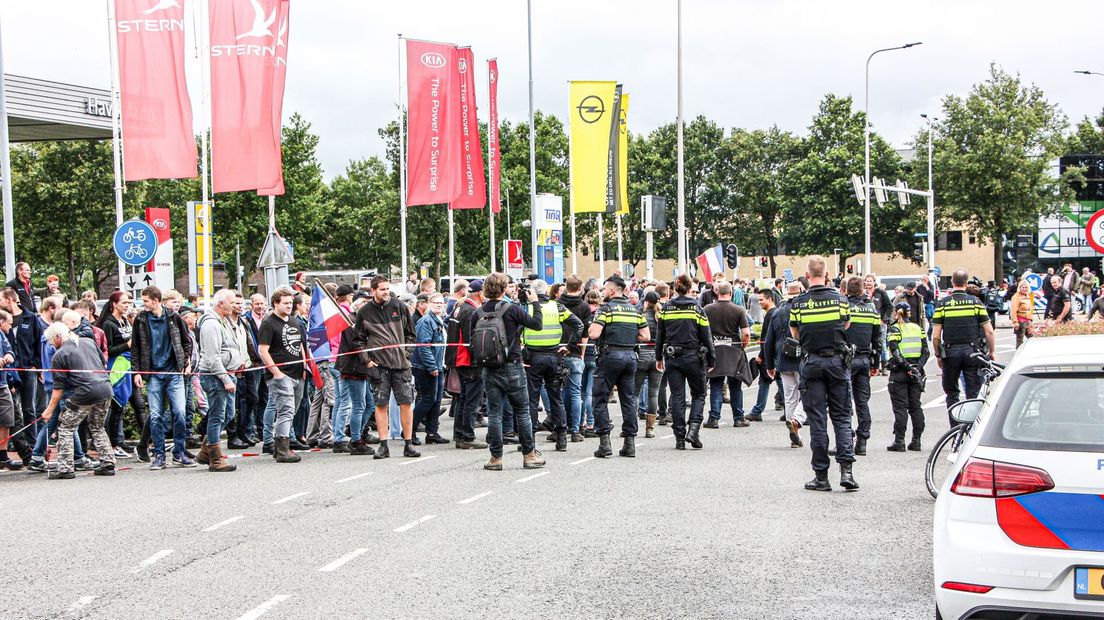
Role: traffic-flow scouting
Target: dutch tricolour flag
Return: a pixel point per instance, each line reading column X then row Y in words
column 327, row 320
column 710, row 262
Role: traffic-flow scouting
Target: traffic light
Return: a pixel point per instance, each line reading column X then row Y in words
column 762, row 262
column 850, row 269
column 918, row 251
column 732, row 256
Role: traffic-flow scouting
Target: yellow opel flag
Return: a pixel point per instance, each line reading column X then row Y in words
column 592, row 111
column 623, row 158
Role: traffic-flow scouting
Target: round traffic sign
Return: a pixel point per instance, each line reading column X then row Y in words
column 1094, row 231
column 135, row 242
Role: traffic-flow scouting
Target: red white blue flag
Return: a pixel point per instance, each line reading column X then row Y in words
column 327, row 320
column 710, row 262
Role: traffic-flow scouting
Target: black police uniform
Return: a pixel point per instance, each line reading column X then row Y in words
column 617, row 357
column 545, row 365
column 821, row 315
column 908, row 349
column 963, row 318
column 684, row 340
column 865, row 334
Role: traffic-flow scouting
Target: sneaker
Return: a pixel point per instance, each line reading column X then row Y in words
column 158, row 462
column 62, row 475
column 121, row 453
column 183, row 460
column 37, row 466
column 107, row 469
column 755, row 417
column 741, row 423
column 589, row 433
column 508, row 438
column 576, row 437
column 11, row 465
column 795, row 439
column 141, row 452
column 85, row 464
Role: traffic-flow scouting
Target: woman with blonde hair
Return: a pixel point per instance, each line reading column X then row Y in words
column 1021, row 309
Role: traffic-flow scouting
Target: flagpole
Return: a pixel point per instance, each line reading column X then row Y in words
column 620, row 256
column 683, row 258
column 402, row 163
column 601, row 251
column 116, row 128
column 5, row 171
column 452, row 249
column 532, row 140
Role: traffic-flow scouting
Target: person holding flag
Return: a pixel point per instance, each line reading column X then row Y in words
column 327, row 320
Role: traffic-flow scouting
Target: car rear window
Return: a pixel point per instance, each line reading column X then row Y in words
column 1048, row 411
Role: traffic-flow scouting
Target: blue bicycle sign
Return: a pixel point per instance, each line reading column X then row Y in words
column 135, row 242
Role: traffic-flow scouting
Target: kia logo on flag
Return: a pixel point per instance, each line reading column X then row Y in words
column 591, row 109
column 433, row 60
column 494, row 76
column 462, row 65
column 160, row 224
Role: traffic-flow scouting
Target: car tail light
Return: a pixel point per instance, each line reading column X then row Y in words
column 985, row 478
column 966, row 587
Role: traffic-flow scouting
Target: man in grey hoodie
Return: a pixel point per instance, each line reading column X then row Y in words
column 220, row 359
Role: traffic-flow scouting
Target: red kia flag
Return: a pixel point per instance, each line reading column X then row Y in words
column 473, row 184
column 248, row 43
column 434, row 144
column 278, row 94
column 495, row 163
column 156, row 110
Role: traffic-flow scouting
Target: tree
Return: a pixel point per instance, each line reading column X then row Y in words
column 821, row 212
column 1088, row 137
column 993, row 157
column 757, row 165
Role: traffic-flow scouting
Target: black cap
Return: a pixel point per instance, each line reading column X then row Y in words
column 902, row 305
column 652, row 297
column 344, row 289
column 910, row 285
column 616, row 280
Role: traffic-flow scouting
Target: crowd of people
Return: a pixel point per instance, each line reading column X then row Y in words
column 503, row 351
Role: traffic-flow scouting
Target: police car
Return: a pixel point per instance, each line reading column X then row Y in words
column 1019, row 521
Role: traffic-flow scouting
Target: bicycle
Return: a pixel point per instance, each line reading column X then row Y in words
column 939, row 464
column 135, row 250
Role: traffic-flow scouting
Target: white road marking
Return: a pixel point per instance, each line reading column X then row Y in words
column 420, row 460
column 1005, row 349
column 154, row 558
column 412, row 524
column 290, row 497
column 261, row 609
column 81, row 602
column 885, row 389
column 367, row 473
column 533, row 477
column 581, row 461
column 664, row 436
column 341, row 561
column 475, row 498
column 223, row 523
column 935, row 402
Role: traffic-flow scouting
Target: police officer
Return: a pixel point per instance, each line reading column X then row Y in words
column 865, row 334
column 961, row 328
column 616, row 329
column 544, row 351
column 819, row 318
column 685, row 343
column 908, row 348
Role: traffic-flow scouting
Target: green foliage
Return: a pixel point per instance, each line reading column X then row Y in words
column 1088, row 137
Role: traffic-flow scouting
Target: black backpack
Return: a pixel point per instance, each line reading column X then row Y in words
column 993, row 299
column 488, row 338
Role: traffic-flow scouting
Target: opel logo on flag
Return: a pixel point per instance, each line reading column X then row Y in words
column 433, row 60
column 591, row 109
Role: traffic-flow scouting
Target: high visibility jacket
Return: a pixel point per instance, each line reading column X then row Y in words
column 555, row 319
column 909, row 338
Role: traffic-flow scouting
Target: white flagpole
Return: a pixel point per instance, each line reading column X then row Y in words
column 601, row 251
column 116, row 128
column 532, row 142
column 452, row 248
column 5, row 171
column 402, row 162
column 620, row 255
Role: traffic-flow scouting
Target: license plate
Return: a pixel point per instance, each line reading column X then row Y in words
column 1088, row 583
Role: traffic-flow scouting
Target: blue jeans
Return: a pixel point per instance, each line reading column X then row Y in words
column 573, row 391
column 219, row 407
column 427, row 407
column 268, row 420
column 586, row 387
column 44, row 431
column 159, row 389
column 394, row 418
column 355, row 391
column 735, row 397
column 502, row 384
column 765, row 383
column 341, row 407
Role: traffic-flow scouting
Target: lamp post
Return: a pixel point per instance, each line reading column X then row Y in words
column 683, row 257
column 1083, row 72
column 866, row 142
column 931, row 199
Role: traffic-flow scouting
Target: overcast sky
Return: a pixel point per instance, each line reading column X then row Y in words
column 746, row 63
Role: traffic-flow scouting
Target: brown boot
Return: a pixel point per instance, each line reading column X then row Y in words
column 533, row 460
column 649, row 426
column 203, row 456
column 495, row 464
column 217, row 461
column 283, row 451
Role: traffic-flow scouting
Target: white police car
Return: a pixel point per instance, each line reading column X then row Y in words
column 1019, row 521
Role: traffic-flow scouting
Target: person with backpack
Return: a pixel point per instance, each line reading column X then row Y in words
column 992, row 298
column 458, row 358
column 495, row 348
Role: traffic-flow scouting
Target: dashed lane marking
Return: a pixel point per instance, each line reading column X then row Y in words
column 153, row 559
column 224, row 523
column 419, row 460
column 81, row 602
column 413, row 524
column 581, row 461
column 367, row 473
column 290, row 497
column 935, row 402
column 475, row 498
column 533, row 477
column 341, row 561
column 264, row 607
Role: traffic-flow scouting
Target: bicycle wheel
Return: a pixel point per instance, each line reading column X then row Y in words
column 942, row 458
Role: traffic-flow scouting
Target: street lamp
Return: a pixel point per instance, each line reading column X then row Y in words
column 1083, row 72
column 866, row 140
column 931, row 198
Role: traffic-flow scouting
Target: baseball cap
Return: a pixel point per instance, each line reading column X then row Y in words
column 652, row 297
column 902, row 305
column 910, row 285
column 344, row 289
column 476, row 286
column 423, row 297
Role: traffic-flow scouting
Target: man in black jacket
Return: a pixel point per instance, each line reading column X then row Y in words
column 573, row 299
column 162, row 348
column 21, row 284
column 465, row 406
column 25, row 337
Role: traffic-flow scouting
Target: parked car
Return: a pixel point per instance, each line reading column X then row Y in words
column 1019, row 521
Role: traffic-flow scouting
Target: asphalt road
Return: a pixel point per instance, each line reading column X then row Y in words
column 724, row 532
